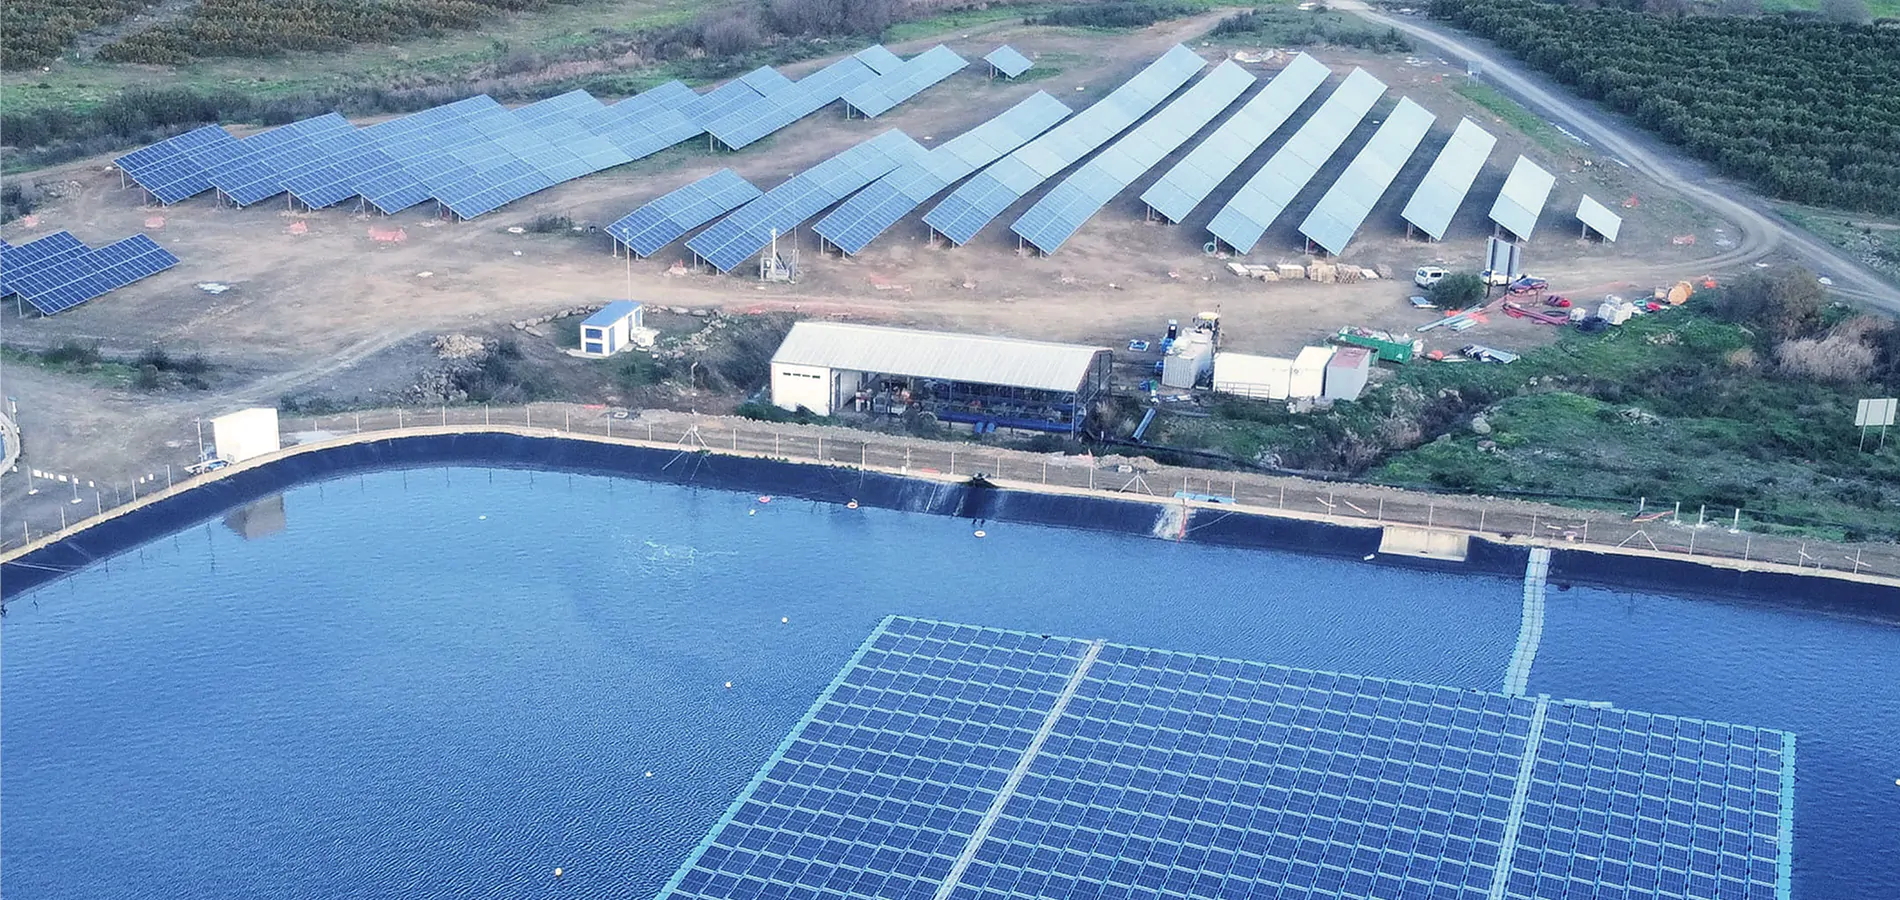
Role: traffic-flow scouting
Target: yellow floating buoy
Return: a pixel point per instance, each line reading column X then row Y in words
column 980, row 533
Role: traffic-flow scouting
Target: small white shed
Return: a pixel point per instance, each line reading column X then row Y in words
column 610, row 330
column 1309, row 373
column 1258, row 377
column 245, row 433
column 1347, row 372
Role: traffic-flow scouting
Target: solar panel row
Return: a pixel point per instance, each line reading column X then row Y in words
column 962, row 763
column 734, row 239
column 1522, row 199
column 1346, row 204
column 1061, row 212
column 1008, row 61
column 1268, row 193
column 1599, row 218
column 68, row 273
column 868, row 213
column 1445, row 184
column 180, row 167
column 1183, row 187
column 964, row 213
column 781, row 107
column 910, row 78
column 663, row 220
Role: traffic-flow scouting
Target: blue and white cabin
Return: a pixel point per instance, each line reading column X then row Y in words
column 610, row 330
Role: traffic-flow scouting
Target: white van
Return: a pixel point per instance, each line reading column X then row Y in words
column 1426, row 276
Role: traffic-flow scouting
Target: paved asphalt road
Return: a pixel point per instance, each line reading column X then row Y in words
column 1762, row 230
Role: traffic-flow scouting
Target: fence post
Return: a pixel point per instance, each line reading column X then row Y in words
column 821, row 448
column 953, row 460
column 1283, row 495
column 999, row 467
column 567, row 419
column 1381, row 510
column 445, row 415
column 735, row 439
column 1533, row 528
column 168, row 476
column 780, row 453
column 529, row 412
column 398, row 418
column 1045, row 471
column 864, row 453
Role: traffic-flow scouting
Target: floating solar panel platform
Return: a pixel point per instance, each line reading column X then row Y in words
column 662, row 221
column 1446, row 183
column 734, row 239
column 1008, row 61
column 984, row 197
column 952, row 762
column 1522, row 200
column 1271, row 190
column 1061, row 212
column 1346, row 204
column 72, row 280
column 876, row 97
column 178, row 168
column 860, row 219
column 1186, row 185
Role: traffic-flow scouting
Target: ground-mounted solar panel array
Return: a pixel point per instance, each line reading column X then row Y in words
column 1061, row 212
column 1346, row 204
column 868, row 213
column 910, row 78
column 474, row 155
column 1599, row 218
column 1522, row 200
column 751, row 228
column 1008, row 62
column 667, row 218
column 58, row 272
column 953, row 762
column 981, row 199
column 1271, row 190
column 1185, row 186
column 1446, row 183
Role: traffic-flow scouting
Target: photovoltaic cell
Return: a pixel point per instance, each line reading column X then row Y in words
column 1186, row 185
column 734, row 239
column 1522, row 199
column 981, row 199
column 1346, row 204
column 1059, row 213
column 665, row 219
column 256, row 173
column 180, row 167
column 860, row 219
column 874, row 98
column 745, row 89
column 1268, row 193
column 745, row 124
column 1445, row 184
column 21, row 259
column 947, row 761
column 878, row 58
column 73, row 280
column 1008, row 61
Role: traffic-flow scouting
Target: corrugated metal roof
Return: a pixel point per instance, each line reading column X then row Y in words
column 1599, row 218
column 1522, row 200
column 611, row 313
column 982, row 359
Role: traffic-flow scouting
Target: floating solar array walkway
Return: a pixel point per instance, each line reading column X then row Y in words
column 58, row 272
column 751, row 228
column 859, row 220
column 876, row 97
column 1061, row 212
column 981, row 199
column 1008, row 62
column 1522, row 200
column 1247, row 216
column 1446, row 183
column 1530, row 632
column 951, row 762
column 1346, row 204
column 1208, row 164
column 664, row 220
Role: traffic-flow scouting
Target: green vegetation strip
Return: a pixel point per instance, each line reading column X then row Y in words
column 1516, row 116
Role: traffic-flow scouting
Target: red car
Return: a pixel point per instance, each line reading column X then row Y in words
column 1528, row 285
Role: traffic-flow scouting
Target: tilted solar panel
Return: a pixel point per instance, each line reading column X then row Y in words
column 1008, row 61
column 1346, row 204
column 1449, row 179
column 879, row 59
column 1599, row 218
column 561, row 107
column 867, row 214
column 1185, row 186
column 257, row 173
column 745, row 89
column 732, row 240
column 748, row 123
column 664, row 219
column 981, row 199
column 874, row 98
column 1522, row 200
column 180, row 167
column 70, row 282
column 1268, row 193
column 20, row 259
column 1061, row 212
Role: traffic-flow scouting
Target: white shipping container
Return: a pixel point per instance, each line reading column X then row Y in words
column 1309, row 373
column 1258, row 377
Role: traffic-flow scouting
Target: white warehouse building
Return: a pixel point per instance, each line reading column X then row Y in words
column 983, row 381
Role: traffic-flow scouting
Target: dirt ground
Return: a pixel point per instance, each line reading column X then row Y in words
column 332, row 311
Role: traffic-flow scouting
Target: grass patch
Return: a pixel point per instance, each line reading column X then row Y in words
column 1515, row 115
column 152, row 370
column 1874, row 242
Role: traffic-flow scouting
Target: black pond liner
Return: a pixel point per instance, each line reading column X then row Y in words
column 967, row 500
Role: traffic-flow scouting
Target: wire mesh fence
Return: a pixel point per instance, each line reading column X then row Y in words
column 1702, row 534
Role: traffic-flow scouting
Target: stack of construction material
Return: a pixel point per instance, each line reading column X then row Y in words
column 1324, row 273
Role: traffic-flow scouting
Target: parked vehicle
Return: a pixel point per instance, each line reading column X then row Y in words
column 1495, row 278
column 207, row 465
column 1528, row 284
column 1428, row 276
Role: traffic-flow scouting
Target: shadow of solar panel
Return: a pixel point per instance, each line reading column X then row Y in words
column 74, row 280
column 1061, row 212
column 1268, row 193
column 180, row 167
column 1522, row 200
column 664, row 219
column 1346, row 204
column 1185, row 186
column 1449, row 179
column 737, row 237
column 22, row 259
column 964, row 213
column 256, row 174
column 1008, row 61
column 891, row 87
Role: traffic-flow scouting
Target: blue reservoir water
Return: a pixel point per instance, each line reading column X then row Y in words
column 447, row 682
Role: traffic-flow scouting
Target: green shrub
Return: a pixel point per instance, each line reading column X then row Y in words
column 1458, row 290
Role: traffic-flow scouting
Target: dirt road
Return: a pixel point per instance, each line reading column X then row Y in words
column 1762, row 231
